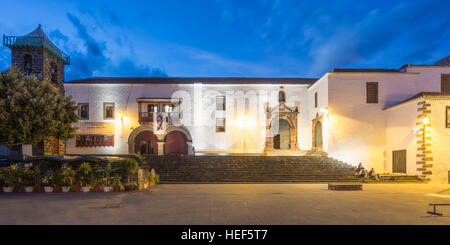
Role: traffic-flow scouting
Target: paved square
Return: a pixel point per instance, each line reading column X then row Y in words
column 232, row 204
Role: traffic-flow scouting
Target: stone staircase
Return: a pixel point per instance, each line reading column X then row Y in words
column 250, row 169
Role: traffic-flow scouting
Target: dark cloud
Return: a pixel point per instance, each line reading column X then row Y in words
column 57, row 35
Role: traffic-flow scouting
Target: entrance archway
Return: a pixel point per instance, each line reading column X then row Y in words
column 282, row 140
column 175, row 143
column 318, row 135
column 145, row 143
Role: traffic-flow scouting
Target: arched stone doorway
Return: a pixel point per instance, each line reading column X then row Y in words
column 143, row 141
column 175, row 143
column 318, row 135
column 282, row 139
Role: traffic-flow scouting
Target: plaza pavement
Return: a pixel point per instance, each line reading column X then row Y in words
column 273, row 204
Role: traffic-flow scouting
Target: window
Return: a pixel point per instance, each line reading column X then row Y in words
column 27, row 64
column 108, row 111
column 445, row 83
column 316, row 100
column 94, row 140
column 220, row 124
column 83, row 111
column 372, row 92
column 153, row 108
column 167, row 108
column 447, row 118
column 53, row 73
column 220, row 103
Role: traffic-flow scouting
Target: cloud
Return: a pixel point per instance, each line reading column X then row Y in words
column 95, row 62
column 57, row 35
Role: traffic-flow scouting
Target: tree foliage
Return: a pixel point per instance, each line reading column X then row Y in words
column 31, row 110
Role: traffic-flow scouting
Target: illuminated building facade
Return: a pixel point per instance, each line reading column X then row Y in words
column 373, row 116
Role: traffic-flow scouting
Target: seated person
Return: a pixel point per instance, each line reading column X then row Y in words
column 362, row 173
column 372, row 174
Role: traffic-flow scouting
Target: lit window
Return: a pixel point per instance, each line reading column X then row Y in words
column 108, row 111
column 167, row 108
column 153, row 108
column 220, row 124
column 220, row 103
column 83, row 111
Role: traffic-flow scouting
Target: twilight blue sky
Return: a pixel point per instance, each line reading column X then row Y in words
column 252, row 38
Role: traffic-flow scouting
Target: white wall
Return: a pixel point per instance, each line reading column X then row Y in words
column 401, row 135
column 357, row 129
column 440, row 140
column 429, row 77
column 321, row 88
column 199, row 112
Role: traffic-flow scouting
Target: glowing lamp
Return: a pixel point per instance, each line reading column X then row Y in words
column 425, row 120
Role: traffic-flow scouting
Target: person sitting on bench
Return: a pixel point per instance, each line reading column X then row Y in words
column 362, row 173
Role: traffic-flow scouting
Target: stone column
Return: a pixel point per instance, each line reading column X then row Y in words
column 161, row 148
column 189, row 148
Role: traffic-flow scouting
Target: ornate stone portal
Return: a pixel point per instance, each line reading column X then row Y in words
column 273, row 118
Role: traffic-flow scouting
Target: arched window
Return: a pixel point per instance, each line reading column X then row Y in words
column 53, row 73
column 27, row 64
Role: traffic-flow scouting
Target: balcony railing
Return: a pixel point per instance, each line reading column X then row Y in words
column 14, row 41
column 147, row 117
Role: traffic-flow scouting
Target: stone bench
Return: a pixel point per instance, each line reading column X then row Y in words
column 345, row 186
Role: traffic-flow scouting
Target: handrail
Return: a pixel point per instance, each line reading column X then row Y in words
column 16, row 41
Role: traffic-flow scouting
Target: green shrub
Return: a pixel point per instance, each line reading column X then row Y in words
column 64, row 176
column 82, row 174
column 10, row 175
column 49, row 178
column 27, row 176
column 128, row 166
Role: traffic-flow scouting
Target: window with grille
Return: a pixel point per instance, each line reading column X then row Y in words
column 220, row 124
column 83, row 111
column 94, row 140
column 220, row 103
column 372, row 92
column 108, row 111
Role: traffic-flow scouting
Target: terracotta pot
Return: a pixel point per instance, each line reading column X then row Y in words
column 1, row 188
column 77, row 189
column 97, row 189
column 29, row 189
column 48, row 189
column 106, row 188
column 86, row 188
column 65, row 188
column 8, row 189
column 116, row 188
column 18, row 189
column 39, row 189
column 57, row 189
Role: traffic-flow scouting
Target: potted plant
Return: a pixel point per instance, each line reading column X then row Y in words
column 27, row 179
column 117, row 184
column 48, row 181
column 97, row 177
column 107, row 178
column 65, row 178
column 9, row 177
column 83, row 174
column 129, row 166
column 38, row 180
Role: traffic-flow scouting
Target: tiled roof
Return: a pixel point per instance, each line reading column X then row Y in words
column 443, row 62
column 364, row 70
column 440, row 95
column 192, row 80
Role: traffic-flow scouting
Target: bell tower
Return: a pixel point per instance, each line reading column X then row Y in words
column 34, row 54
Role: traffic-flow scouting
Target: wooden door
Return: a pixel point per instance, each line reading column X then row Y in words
column 399, row 161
